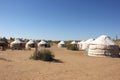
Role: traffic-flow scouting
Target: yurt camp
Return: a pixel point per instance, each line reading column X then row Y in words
column 61, row 44
column 103, row 46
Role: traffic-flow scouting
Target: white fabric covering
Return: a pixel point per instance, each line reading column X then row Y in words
column 80, row 44
column 41, row 43
column 16, row 41
column 85, row 44
column 73, row 42
column 102, row 46
column 61, row 44
column 30, row 42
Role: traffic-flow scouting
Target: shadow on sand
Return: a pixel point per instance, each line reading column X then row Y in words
column 57, row 61
column 115, row 56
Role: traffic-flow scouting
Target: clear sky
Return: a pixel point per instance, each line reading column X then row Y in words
column 59, row 19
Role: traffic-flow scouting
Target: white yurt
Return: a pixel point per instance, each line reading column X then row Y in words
column 103, row 46
column 42, row 44
column 61, row 44
column 17, row 44
column 80, row 44
column 30, row 44
column 73, row 42
column 85, row 44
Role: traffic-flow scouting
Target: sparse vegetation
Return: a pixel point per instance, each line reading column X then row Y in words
column 44, row 54
column 72, row 47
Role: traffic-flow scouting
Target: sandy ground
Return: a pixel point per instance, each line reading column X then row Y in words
column 73, row 65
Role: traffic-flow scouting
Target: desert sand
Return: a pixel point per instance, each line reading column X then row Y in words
column 72, row 65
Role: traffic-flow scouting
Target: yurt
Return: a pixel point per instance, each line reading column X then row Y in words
column 73, row 42
column 17, row 44
column 61, row 44
column 42, row 44
column 80, row 44
column 30, row 44
column 85, row 44
column 103, row 46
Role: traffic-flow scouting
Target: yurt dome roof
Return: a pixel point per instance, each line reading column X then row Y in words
column 42, row 42
column 61, row 42
column 17, row 41
column 30, row 42
column 89, row 40
column 81, row 42
column 73, row 42
column 104, row 40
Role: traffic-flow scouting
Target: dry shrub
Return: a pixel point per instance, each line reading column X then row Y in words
column 72, row 47
column 44, row 54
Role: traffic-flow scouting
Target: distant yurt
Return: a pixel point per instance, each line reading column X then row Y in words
column 80, row 44
column 17, row 44
column 73, row 42
column 30, row 44
column 85, row 44
column 42, row 44
column 103, row 46
column 61, row 44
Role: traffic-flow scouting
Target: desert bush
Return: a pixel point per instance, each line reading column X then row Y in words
column 72, row 47
column 45, row 55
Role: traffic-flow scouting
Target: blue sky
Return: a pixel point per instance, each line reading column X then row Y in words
column 59, row 19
